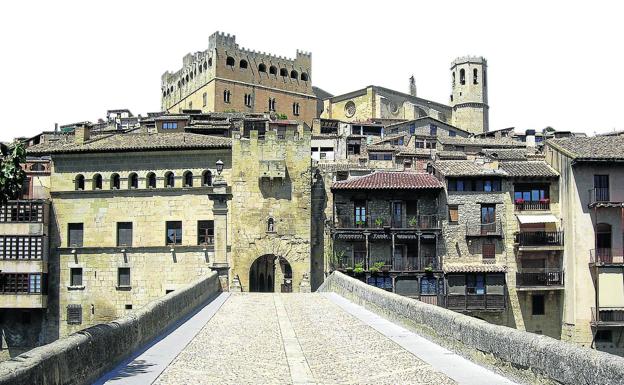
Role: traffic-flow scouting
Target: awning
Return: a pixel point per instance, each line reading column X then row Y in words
column 544, row 218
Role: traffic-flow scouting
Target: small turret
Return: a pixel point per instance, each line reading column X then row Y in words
column 412, row 86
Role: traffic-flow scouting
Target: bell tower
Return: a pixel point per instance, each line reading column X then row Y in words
column 469, row 98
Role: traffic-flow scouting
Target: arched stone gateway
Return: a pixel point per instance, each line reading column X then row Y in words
column 270, row 273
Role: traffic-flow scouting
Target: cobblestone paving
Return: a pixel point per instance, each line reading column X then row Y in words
column 243, row 344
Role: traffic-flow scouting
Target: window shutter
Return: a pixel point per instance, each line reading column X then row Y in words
column 123, row 275
column 124, row 234
column 74, row 314
column 75, row 234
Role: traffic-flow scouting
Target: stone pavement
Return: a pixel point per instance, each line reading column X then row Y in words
column 264, row 338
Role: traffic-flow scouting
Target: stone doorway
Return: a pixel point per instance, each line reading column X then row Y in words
column 269, row 274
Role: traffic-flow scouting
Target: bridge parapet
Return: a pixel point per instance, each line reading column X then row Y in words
column 84, row 356
column 530, row 357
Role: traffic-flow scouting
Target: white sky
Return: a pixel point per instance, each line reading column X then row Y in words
column 550, row 63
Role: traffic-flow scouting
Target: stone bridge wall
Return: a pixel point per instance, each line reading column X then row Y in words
column 84, row 356
column 533, row 357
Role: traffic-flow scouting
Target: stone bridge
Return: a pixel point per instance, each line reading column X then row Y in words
column 347, row 333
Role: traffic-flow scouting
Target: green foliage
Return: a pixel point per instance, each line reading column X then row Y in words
column 376, row 268
column 282, row 116
column 11, row 173
column 379, row 222
column 337, row 259
column 359, row 268
column 412, row 222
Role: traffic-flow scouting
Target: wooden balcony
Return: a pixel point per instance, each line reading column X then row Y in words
column 539, row 238
column 416, row 222
column 605, row 197
column 475, row 302
column 607, row 317
column 541, row 205
column 606, row 256
column 478, row 229
column 539, row 279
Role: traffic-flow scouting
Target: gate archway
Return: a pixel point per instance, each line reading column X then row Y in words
column 269, row 273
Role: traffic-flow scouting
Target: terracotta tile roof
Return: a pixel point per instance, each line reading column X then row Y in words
column 482, row 142
column 489, row 268
column 459, row 155
column 383, row 147
column 382, row 180
column 528, row 168
column 506, row 153
column 465, row 168
column 131, row 142
column 591, row 148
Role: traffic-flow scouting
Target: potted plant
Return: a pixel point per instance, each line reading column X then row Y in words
column 429, row 269
column 379, row 222
column 376, row 268
column 412, row 222
column 359, row 269
column 519, row 201
column 385, row 268
column 359, row 223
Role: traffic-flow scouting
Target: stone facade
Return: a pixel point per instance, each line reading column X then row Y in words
column 227, row 78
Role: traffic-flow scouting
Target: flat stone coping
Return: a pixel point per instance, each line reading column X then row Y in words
column 454, row 366
column 146, row 365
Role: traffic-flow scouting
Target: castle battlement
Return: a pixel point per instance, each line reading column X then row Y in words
column 468, row 59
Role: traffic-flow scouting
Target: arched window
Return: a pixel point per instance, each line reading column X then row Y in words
column 186, row 78
column 283, row 72
column 230, row 61
column 209, row 62
column 115, row 182
column 270, row 225
column 201, row 68
column 462, row 76
column 261, row 67
column 97, row 182
column 453, row 79
column 205, row 66
column 79, row 182
column 133, row 180
column 294, row 74
column 296, row 109
column 188, row 179
column 273, row 70
column 151, row 180
column 192, row 75
column 304, row 77
column 243, row 64
column 475, row 76
column 169, row 179
column 207, row 178
column 226, row 96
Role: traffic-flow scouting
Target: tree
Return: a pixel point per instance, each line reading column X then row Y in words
column 11, row 174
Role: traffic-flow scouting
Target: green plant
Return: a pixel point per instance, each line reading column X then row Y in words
column 429, row 269
column 338, row 258
column 282, row 116
column 377, row 266
column 412, row 222
column 11, row 173
column 379, row 222
column 359, row 268
column 359, row 223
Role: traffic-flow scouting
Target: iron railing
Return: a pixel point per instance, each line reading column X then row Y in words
column 605, row 195
column 607, row 256
column 540, row 238
column 538, row 278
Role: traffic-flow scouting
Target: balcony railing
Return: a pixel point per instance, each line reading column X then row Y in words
column 22, row 211
column 604, row 195
column 542, row 278
column 540, row 238
column 468, row 302
column 608, row 316
column 478, row 229
column 543, row 205
column 406, row 264
column 431, row 221
column 606, row 256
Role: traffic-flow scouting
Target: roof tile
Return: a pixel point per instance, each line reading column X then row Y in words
column 382, row 180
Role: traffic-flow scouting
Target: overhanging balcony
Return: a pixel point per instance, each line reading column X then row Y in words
column 475, row 302
column 417, row 222
column 607, row 317
column 546, row 240
column 606, row 256
column 539, row 279
column 605, row 197
column 541, row 205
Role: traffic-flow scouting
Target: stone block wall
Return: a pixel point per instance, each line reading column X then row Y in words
column 531, row 357
column 84, row 356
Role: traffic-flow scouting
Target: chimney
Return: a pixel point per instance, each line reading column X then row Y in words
column 82, row 133
column 412, row 86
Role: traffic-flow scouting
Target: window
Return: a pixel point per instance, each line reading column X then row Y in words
column 169, row 179
column 601, row 188
column 294, row 74
column 270, row 225
column 387, row 156
column 359, row 213
column 604, row 336
column 537, row 304
column 170, row 125
column 243, row 64
column 151, row 180
column 124, row 233
column 34, row 284
column 453, row 214
column 188, row 179
column 488, row 251
column 75, row 276
column 373, row 156
column 207, row 178
column 452, row 133
column 115, row 182
column 123, row 277
column 174, row 233
column 205, row 232
column 428, row 286
column 74, row 234
column 79, row 182
column 296, row 109
column 433, row 130
column 248, row 99
column 462, row 76
column 74, row 314
column 475, row 76
column 531, row 193
column 205, row 99
column 461, row 184
column 304, row 77
column 128, row 306
column 261, row 67
column 353, row 148
column 230, row 61
column 97, row 182
column 273, row 70
column 271, row 104
column 475, row 284
column 133, row 181
column 283, row 72
column 226, row 96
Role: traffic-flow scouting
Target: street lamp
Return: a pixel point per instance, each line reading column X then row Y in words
column 219, row 166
